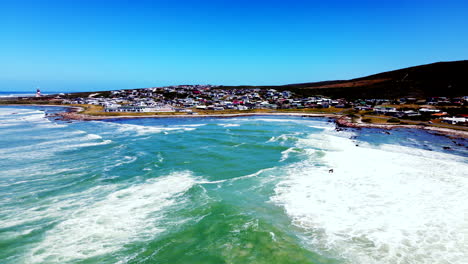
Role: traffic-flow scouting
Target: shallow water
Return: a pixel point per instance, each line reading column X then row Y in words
column 236, row 190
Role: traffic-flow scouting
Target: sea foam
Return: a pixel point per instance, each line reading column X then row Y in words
column 145, row 130
column 386, row 204
column 130, row 214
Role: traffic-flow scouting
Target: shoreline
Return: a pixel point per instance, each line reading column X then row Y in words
column 340, row 120
column 345, row 121
column 82, row 117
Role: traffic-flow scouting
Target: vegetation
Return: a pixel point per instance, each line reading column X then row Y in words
column 96, row 110
column 105, row 94
column 437, row 79
column 375, row 120
column 393, row 120
column 330, row 110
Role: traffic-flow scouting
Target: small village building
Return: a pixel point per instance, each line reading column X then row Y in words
column 455, row 120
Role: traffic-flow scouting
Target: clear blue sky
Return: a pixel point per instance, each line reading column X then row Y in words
column 86, row 45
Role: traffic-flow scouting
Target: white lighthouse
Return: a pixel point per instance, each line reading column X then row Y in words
column 38, row 92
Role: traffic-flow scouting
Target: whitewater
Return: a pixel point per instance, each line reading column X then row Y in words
column 227, row 190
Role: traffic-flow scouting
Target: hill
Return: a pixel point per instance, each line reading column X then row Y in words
column 436, row 79
column 448, row 79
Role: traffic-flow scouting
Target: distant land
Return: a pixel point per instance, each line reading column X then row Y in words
column 436, row 79
column 432, row 95
column 448, row 79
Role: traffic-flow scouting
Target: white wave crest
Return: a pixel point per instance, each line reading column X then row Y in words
column 25, row 119
column 285, row 153
column 130, row 214
column 284, row 137
column 122, row 161
column 145, row 130
column 229, row 125
column 193, row 125
column 89, row 144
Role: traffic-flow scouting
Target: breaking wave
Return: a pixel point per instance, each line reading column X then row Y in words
column 381, row 204
column 146, row 130
column 130, row 214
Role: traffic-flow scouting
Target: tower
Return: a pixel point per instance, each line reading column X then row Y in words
column 38, row 92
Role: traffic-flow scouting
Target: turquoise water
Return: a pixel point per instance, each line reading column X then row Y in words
column 232, row 190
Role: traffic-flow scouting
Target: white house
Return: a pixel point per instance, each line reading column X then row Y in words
column 454, row 120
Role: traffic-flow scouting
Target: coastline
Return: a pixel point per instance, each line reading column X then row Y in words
column 344, row 121
column 340, row 120
column 71, row 108
column 83, row 117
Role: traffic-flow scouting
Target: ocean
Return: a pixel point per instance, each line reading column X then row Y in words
column 227, row 190
column 17, row 94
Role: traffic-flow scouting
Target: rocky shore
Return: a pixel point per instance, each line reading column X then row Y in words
column 345, row 121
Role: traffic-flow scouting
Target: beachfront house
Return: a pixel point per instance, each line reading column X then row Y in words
column 140, row 109
column 385, row 110
column 428, row 111
column 455, row 120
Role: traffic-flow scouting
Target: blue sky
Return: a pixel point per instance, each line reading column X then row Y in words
column 86, row 45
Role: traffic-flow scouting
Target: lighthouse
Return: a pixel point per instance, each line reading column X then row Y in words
column 38, row 92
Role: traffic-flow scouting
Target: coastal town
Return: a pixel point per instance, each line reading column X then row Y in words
column 192, row 98
column 205, row 99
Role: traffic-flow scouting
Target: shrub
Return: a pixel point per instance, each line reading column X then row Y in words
column 367, row 120
column 393, row 120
